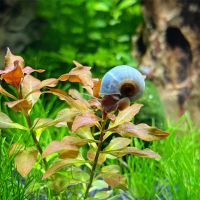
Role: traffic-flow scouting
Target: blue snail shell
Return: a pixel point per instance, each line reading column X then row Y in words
column 118, row 77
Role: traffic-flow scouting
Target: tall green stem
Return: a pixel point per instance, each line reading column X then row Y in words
column 97, row 155
column 28, row 119
column 35, row 140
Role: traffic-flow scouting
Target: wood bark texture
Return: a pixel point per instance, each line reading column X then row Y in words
column 168, row 49
column 17, row 25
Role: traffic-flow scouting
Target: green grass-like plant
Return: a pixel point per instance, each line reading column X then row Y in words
column 176, row 175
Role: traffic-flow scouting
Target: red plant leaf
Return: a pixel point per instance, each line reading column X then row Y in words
column 110, row 103
column 71, row 140
column 63, row 117
column 9, row 61
column 29, row 84
column 76, row 95
column 25, row 160
column 68, row 147
column 79, row 74
column 94, row 103
column 59, row 147
column 75, row 103
column 86, row 119
column 20, row 105
column 142, row 131
column 29, row 70
column 91, row 156
column 96, row 87
column 14, row 77
column 147, row 153
column 126, row 115
column 61, row 164
column 114, row 180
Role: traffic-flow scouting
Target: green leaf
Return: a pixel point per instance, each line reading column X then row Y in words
column 111, row 168
column 98, row 185
column 103, row 194
column 70, row 177
column 6, row 122
column 126, row 115
column 117, row 143
column 126, row 4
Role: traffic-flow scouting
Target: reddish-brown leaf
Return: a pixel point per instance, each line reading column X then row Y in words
column 76, row 95
column 96, row 87
column 10, row 60
column 142, row 131
column 29, row 70
column 110, row 103
column 69, row 153
column 20, row 105
column 61, row 164
column 15, row 76
column 63, row 117
column 114, row 180
column 91, row 156
column 77, row 104
column 72, row 140
column 86, row 119
column 50, row 82
column 95, row 103
column 79, row 74
column 147, row 153
column 59, row 147
column 25, row 160
column 29, row 84
column 126, row 115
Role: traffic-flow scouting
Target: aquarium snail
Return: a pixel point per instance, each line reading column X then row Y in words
column 119, row 86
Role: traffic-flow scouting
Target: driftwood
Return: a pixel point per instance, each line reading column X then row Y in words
column 168, row 49
column 17, row 25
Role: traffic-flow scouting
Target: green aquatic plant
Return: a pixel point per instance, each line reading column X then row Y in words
column 100, row 127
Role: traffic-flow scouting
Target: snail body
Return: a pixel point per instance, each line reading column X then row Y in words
column 123, row 81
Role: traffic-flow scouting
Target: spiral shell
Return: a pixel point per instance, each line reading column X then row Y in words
column 124, row 81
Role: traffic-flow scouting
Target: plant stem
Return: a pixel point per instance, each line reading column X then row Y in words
column 97, row 155
column 35, row 140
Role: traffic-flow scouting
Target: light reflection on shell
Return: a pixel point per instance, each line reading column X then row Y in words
column 118, row 77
